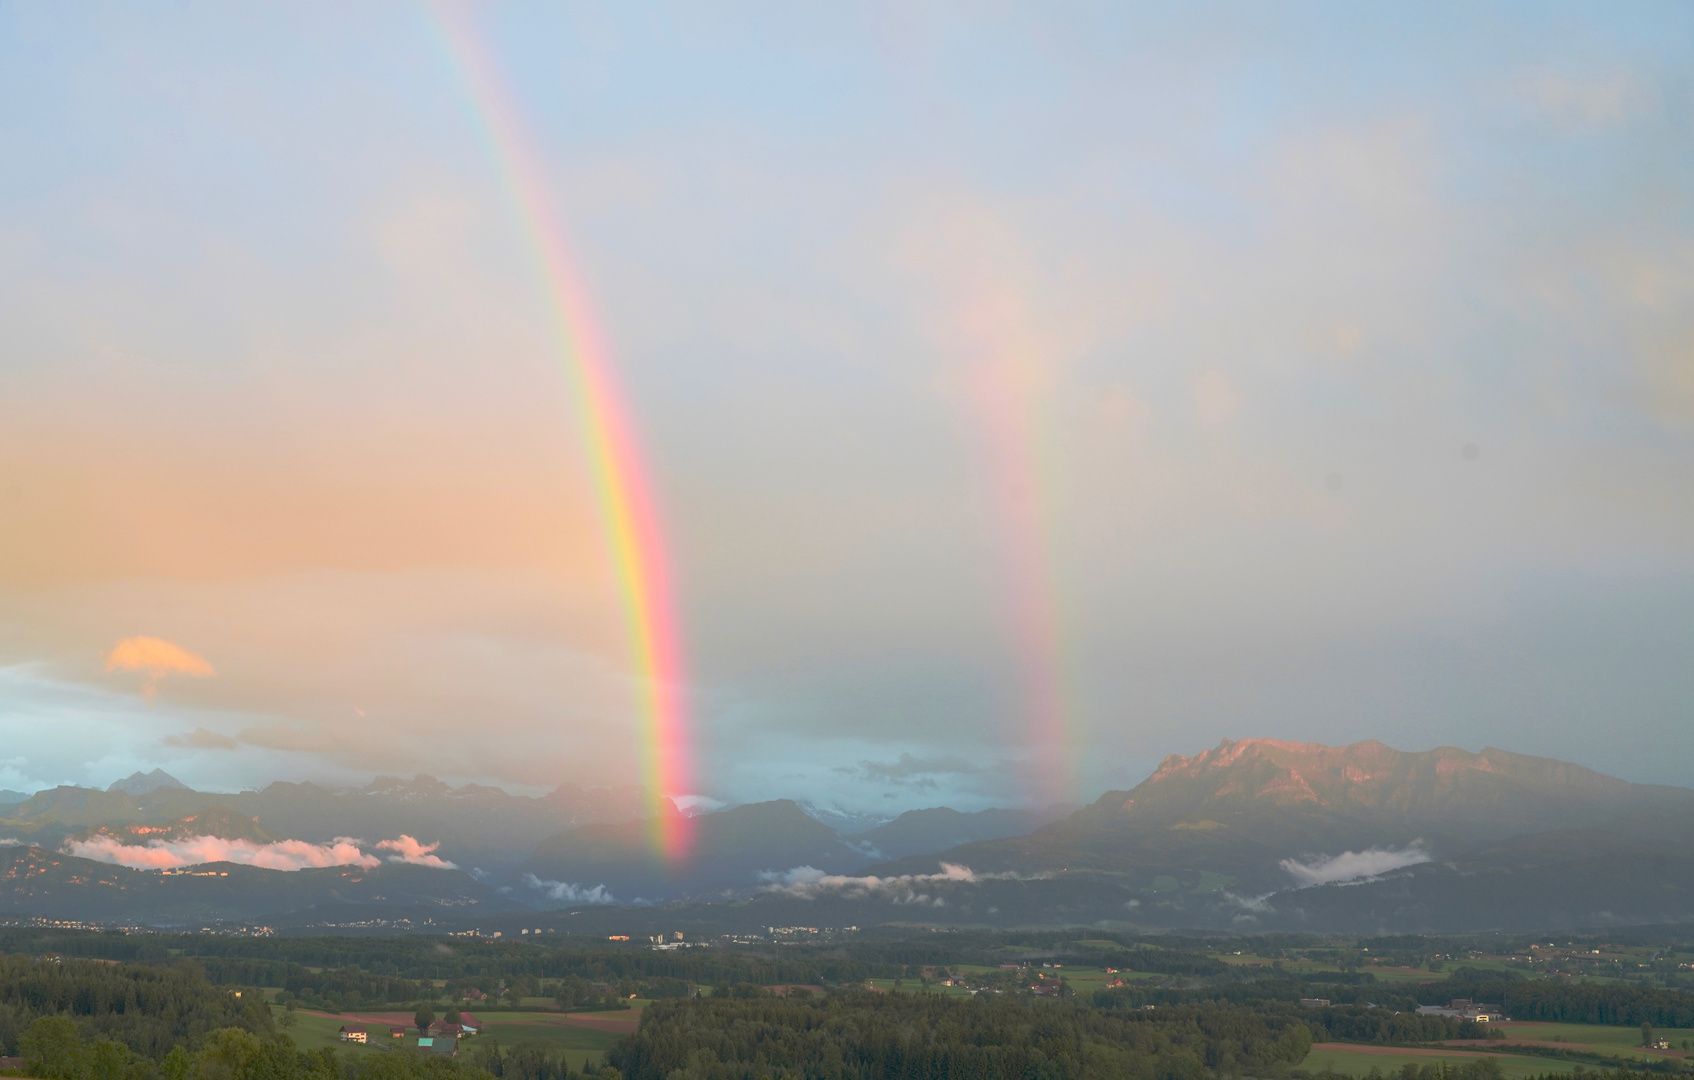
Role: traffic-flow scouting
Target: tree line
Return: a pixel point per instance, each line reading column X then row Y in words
column 862, row 1035
column 146, row 1008
column 1582, row 1003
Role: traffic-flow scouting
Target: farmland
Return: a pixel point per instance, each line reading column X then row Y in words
column 579, row 1038
column 1353, row 1060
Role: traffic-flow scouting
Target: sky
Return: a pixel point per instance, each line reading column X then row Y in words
column 1027, row 392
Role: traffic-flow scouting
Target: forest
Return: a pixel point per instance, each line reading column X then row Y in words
column 900, row 1036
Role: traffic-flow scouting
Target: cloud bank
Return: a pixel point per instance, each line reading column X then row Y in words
column 278, row 855
column 1355, row 865
column 575, row 894
column 408, row 850
column 810, row 883
column 171, row 854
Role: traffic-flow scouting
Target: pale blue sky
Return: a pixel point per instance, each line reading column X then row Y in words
column 277, row 387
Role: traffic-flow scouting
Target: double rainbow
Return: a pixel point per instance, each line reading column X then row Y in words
column 626, row 504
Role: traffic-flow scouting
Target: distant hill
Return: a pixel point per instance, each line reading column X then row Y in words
column 42, row 882
column 1563, row 879
column 730, row 850
column 476, row 825
column 140, row 783
column 219, row 821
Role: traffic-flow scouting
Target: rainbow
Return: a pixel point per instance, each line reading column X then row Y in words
column 626, row 505
column 1008, row 395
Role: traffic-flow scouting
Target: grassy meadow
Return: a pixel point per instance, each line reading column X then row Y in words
column 1599, row 1038
column 314, row 1031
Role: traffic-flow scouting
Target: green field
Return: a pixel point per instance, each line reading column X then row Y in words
column 311, row 1032
column 913, row 986
column 1405, row 975
column 1358, row 1063
column 1608, row 1040
column 579, row 1045
column 1601, row 1038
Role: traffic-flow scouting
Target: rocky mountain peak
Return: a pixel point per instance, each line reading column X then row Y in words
column 139, row 783
column 1248, row 775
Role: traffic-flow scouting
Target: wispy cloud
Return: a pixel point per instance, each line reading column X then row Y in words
column 575, row 894
column 912, row 771
column 170, row 854
column 409, row 850
column 201, row 739
column 1355, row 865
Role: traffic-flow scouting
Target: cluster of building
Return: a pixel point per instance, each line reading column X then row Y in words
column 441, row 1038
column 1465, row 1009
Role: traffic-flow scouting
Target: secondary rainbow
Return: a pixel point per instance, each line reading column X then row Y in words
column 628, row 514
column 1010, row 397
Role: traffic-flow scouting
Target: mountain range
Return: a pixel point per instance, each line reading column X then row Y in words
column 475, row 825
column 1252, row 834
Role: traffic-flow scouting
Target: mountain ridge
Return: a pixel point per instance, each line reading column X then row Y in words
column 1257, row 832
column 1240, row 809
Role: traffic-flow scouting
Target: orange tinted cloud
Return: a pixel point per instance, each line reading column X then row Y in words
column 157, row 658
column 411, row 850
column 199, row 850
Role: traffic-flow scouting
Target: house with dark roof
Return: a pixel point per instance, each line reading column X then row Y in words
column 357, row 1033
column 431, row 1044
